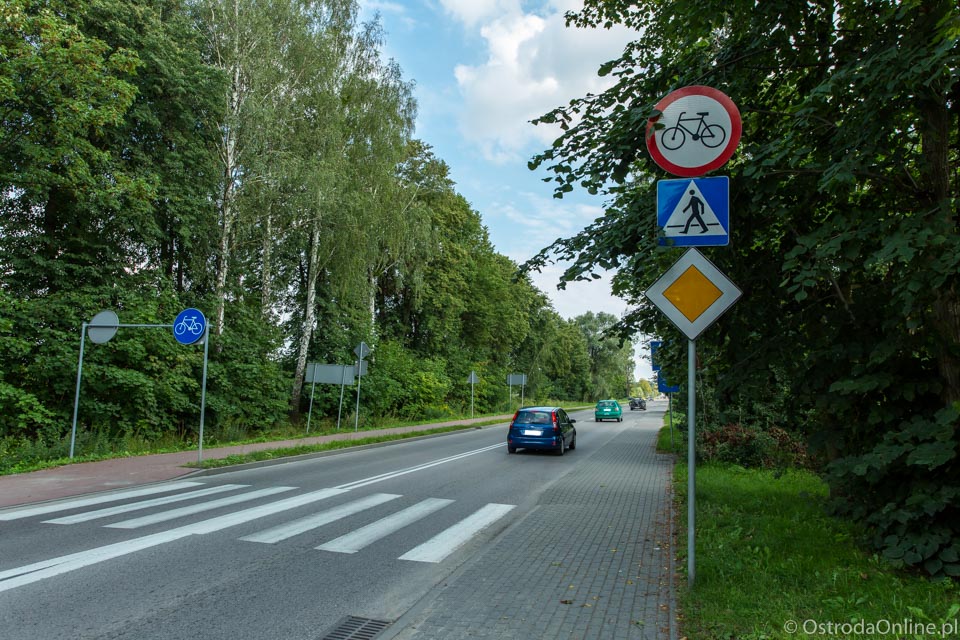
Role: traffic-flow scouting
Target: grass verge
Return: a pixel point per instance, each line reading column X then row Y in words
column 771, row 564
column 285, row 452
column 9, row 464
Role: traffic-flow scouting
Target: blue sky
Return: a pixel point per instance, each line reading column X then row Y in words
column 482, row 70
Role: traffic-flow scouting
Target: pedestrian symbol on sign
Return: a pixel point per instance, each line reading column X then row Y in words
column 693, row 212
column 697, row 205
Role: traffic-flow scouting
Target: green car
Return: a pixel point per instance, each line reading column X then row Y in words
column 608, row 409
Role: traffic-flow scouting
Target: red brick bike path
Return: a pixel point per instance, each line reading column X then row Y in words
column 117, row 473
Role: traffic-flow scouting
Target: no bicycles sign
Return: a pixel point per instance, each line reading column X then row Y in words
column 697, row 131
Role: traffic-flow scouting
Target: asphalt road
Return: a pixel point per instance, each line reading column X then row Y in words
column 394, row 522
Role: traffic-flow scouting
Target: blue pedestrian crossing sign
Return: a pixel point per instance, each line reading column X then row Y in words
column 694, row 212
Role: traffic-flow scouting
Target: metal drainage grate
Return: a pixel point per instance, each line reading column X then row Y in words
column 355, row 628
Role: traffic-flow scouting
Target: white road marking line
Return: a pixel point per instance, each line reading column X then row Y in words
column 17, row 577
column 42, row 509
column 145, row 504
column 163, row 516
column 446, row 542
column 296, row 527
column 241, row 517
column 402, row 472
column 356, row 540
column 20, row 576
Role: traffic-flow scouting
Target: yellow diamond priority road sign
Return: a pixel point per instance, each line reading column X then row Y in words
column 693, row 293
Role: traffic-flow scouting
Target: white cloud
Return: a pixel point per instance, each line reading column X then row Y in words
column 531, row 222
column 578, row 297
column 534, row 63
column 473, row 12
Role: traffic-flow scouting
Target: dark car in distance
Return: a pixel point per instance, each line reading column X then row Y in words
column 548, row 428
column 637, row 403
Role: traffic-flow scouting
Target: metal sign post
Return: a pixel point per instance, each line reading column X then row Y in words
column 473, row 379
column 203, row 392
column 187, row 329
column 343, row 383
column 313, row 388
column 691, row 462
column 76, row 395
column 362, row 352
column 693, row 293
column 517, row 378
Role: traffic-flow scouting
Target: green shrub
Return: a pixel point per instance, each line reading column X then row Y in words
column 751, row 447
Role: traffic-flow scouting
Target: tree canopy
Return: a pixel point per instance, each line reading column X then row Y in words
column 256, row 161
column 844, row 240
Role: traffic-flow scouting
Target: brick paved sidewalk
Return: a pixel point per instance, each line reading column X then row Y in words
column 592, row 561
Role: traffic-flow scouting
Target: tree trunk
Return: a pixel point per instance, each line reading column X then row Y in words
column 266, row 272
column 936, row 118
column 309, row 315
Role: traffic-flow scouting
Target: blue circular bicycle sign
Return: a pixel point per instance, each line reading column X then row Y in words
column 189, row 326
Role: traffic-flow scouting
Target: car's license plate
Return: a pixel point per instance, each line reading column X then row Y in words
column 532, row 432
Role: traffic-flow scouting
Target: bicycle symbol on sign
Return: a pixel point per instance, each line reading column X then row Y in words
column 711, row 135
column 189, row 323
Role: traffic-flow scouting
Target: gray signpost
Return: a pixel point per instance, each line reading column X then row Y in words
column 693, row 293
column 329, row 374
column 516, row 378
column 189, row 328
column 472, row 380
column 362, row 351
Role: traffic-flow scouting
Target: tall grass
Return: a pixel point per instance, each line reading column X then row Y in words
column 771, row 564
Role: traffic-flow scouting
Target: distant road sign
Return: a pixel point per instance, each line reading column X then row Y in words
column 517, row 378
column 329, row 373
column 662, row 385
column 693, row 293
column 654, row 347
column 189, row 326
column 697, row 131
column 102, row 327
column 473, row 379
column 694, row 212
column 362, row 350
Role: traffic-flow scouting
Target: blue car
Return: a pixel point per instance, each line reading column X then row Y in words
column 548, row 428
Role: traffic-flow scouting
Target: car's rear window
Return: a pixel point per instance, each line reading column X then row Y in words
column 534, row 417
column 607, row 404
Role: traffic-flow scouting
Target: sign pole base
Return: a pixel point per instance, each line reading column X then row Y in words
column 691, row 462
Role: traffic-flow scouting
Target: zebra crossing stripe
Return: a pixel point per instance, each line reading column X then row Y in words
column 290, row 529
column 144, row 504
column 26, row 512
column 253, row 513
column 163, row 516
column 13, row 578
column 19, row 576
column 446, row 542
column 357, row 540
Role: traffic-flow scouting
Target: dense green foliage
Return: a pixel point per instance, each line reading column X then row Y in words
column 844, row 204
column 254, row 160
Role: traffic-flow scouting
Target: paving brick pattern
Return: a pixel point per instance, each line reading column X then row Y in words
column 593, row 560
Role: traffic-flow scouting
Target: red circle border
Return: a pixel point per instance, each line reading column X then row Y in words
column 735, row 124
